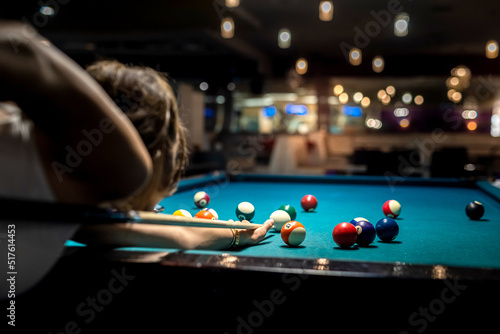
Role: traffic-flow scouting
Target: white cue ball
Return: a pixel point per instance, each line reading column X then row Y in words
column 280, row 217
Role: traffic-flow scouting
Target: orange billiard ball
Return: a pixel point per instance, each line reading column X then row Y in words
column 293, row 233
column 205, row 215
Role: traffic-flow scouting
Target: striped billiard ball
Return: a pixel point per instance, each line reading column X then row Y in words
column 212, row 211
column 391, row 208
column 183, row 213
column 204, row 214
column 245, row 211
column 293, row 233
column 201, row 199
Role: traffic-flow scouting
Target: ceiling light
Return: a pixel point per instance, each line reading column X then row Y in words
column 378, row 64
column 227, row 28
column 401, row 24
column 284, row 38
column 325, row 10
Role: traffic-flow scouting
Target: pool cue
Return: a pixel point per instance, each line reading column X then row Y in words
column 145, row 217
column 82, row 214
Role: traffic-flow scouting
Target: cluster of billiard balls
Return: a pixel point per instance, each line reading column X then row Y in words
column 244, row 210
column 292, row 232
column 360, row 231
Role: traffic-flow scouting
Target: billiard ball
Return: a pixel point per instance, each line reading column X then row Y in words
column 309, row 203
column 280, row 217
column 293, row 233
column 391, row 208
column 245, row 211
column 182, row 212
column 216, row 215
column 387, row 229
column 290, row 209
column 366, row 232
column 201, row 199
column 345, row 235
column 474, row 210
column 205, row 215
column 357, row 220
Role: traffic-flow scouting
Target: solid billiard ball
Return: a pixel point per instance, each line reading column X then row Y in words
column 366, row 232
column 245, row 211
column 201, row 199
column 387, row 229
column 205, row 215
column 391, row 208
column 309, row 203
column 280, row 217
column 183, row 213
column 474, row 210
column 293, row 233
column 290, row 209
column 345, row 235
column 213, row 212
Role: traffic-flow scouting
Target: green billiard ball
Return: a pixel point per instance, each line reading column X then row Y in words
column 290, row 209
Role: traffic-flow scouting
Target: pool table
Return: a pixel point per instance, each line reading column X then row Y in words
column 434, row 229
column 440, row 274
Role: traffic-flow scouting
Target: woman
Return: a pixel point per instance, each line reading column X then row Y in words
column 63, row 139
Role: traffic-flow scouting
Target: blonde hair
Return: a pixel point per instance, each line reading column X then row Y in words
column 148, row 100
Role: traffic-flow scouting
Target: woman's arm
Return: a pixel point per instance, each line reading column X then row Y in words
column 144, row 235
column 91, row 151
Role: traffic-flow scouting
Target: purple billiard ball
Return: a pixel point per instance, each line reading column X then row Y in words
column 366, row 232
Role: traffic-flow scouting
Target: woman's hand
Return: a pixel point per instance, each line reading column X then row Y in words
column 252, row 237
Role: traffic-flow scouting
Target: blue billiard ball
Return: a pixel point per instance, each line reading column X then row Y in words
column 366, row 232
column 387, row 229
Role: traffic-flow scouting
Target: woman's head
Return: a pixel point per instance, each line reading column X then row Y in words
column 149, row 102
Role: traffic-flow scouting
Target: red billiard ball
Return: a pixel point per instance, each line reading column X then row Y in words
column 345, row 235
column 205, row 214
column 201, row 199
column 293, row 233
column 391, row 208
column 309, row 203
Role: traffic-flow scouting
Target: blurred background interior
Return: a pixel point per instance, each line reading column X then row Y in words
column 365, row 87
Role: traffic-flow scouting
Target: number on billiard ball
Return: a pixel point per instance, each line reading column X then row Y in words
column 474, row 210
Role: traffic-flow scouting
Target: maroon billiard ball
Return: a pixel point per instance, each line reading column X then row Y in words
column 309, row 203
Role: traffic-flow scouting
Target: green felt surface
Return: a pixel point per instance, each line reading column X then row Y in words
column 433, row 226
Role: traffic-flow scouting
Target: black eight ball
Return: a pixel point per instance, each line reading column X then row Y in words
column 474, row 210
